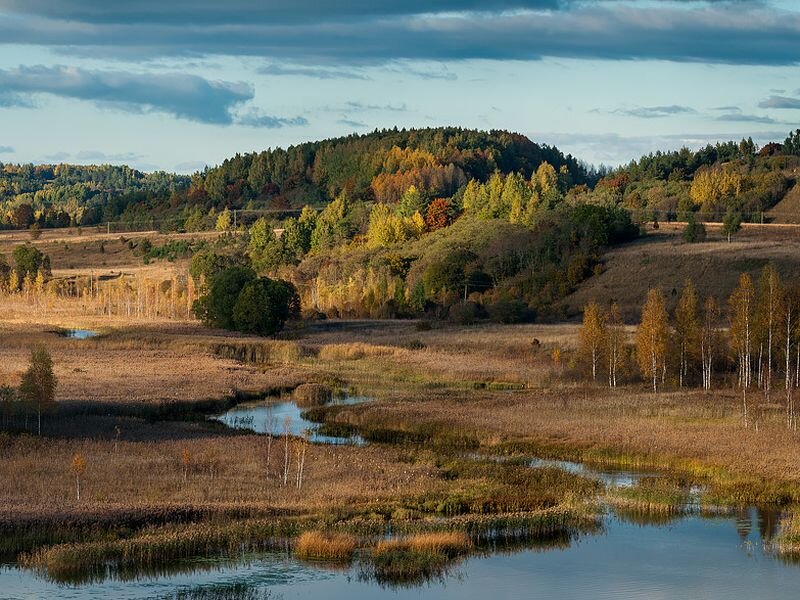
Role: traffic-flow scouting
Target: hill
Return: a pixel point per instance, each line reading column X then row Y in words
column 663, row 260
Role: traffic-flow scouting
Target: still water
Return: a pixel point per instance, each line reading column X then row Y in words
column 278, row 416
column 692, row 556
column 79, row 334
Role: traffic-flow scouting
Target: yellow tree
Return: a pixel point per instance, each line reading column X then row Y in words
column 593, row 335
column 767, row 309
column 741, row 306
column 687, row 329
column 652, row 337
column 615, row 337
column 709, row 339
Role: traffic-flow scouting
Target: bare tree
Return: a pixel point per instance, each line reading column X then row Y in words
column 709, row 339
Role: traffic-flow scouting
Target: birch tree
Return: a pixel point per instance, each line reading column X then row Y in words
column 592, row 335
column 767, row 311
column 687, row 330
column 615, row 336
column 709, row 339
column 652, row 337
column 741, row 314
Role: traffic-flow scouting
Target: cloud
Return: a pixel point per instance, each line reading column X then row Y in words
column 780, row 102
column 353, row 124
column 357, row 32
column 312, row 72
column 183, row 96
column 654, row 112
column 376, row 107
column 11, row 100
column 6, row 150
column 191, row 166
column 255, row 118
column 98, row 156
column 745, row 118
column 615, row 149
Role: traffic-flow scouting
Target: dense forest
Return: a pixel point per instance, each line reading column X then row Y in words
column 445, row 222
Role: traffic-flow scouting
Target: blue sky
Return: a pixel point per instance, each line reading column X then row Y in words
column 179, row 84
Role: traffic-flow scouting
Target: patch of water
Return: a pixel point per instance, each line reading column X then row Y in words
column 79, row 334
column 692, row 557
column 278, row 417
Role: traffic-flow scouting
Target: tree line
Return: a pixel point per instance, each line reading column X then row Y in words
column 751, row 341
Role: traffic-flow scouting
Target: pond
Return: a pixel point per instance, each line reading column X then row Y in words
column 276, row 417
column 79, row 334
column 691, row 556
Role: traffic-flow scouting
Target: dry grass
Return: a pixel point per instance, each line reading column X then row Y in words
column 664, row 260
column 449, row 543
column 316, row 545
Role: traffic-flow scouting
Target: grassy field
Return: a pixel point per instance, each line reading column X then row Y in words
column 663, row 260
column 134, row 400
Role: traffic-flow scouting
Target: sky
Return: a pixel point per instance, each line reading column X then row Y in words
column 179, row 84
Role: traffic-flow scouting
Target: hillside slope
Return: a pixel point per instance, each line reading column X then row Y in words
column 663, row 260
column 787, row 210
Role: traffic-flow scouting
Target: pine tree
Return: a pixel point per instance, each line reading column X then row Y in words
column 652, row 338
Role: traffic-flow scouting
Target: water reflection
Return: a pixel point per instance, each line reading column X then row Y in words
column 285, row 415
column 79, row 334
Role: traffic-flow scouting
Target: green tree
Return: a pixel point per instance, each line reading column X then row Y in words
column 695, row 231
column 39, row 383
column 731, row 223
column 264, row 305
column 215, row 307
column 30, row 260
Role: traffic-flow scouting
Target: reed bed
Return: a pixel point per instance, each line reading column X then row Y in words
column 318, row 545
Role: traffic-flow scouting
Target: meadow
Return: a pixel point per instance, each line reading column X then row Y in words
column 161, row 482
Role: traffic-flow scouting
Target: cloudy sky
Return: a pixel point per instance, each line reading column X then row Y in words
column 178, row 84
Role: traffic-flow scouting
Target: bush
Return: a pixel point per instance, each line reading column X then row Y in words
column 510, row 311
column 694, row 232
column 264, row 305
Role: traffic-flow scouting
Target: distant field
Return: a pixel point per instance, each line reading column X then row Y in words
column 663, row 260
column 77, row 251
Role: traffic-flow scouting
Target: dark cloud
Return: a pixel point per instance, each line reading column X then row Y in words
column 255, row 118
column 200, row 12
column 654, row 112
column 780, row 102
column 313, row 72
column 6, row 149
column 381, row 31
column 12, row 100
column 183, row 96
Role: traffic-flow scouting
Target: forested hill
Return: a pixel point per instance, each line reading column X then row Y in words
column 758, row 183
column 378, row 166
column 62, row 195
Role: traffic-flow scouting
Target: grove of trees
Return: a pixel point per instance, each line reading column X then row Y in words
column 756, row 349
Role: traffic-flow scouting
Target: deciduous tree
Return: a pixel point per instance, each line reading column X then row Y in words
column 652, row 337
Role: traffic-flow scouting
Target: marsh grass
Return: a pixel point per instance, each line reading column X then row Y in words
column 318, row 545
column 416, row 558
